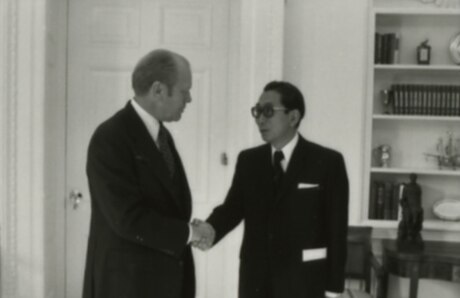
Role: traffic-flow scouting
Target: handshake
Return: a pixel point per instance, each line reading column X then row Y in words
column 203, row 234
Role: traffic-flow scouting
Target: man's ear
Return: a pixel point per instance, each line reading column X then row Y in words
column 157, row 88
column 294, row 118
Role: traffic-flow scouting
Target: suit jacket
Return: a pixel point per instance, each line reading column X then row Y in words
column 281, row 233
column 137, row 244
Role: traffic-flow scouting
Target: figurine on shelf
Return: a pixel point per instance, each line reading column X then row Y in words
column 424, row 53
column 382, row 155
column 410, row 226
column 447, row 155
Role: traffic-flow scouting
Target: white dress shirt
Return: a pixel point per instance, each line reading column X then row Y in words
column 287, row 151
column 152, row 124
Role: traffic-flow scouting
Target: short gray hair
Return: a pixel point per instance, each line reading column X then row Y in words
column 158, row 65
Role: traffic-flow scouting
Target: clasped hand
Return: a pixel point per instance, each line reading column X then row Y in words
column 203, row 234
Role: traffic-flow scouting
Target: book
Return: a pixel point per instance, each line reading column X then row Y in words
column 372, row 200
column 412, row 106
column 390, row 48
column 405, row 100
column 424, row 95
column 418, row 100
column 396, row 99
column 397, row 40
column 455, row 101
column 430, row 107
column 379, row 200
column 437, row 101
column 378, row 48
column 388, row 200
column 452, row 108
column 396, row 197
column 383, row 54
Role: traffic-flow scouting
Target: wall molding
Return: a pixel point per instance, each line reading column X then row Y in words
column 8, row 223
column 21, row 188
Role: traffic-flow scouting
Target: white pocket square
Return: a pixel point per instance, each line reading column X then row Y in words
column 313, row 254
column 306, row 185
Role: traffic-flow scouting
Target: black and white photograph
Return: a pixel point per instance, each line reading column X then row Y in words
column 229, row 148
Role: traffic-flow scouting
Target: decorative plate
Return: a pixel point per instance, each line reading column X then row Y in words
column 454, row 48
column 447, row 209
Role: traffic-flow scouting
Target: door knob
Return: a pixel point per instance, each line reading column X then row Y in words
column 75, row 197
column 224, row 159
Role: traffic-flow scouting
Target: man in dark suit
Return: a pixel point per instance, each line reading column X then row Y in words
column 293, row 197
column 141, row 204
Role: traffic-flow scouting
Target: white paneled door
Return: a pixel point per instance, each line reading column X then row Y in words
column 106, row 38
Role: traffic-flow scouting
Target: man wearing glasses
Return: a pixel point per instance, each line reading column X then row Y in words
column 293, row 197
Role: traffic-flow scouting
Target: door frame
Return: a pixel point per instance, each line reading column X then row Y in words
column 33, row 118
column 22, row 140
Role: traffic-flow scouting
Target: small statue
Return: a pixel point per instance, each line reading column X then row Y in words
column 382, row 155
column 410, row 226
column 447, row 155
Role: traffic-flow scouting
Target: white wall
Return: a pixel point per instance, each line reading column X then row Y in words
column 325, row 54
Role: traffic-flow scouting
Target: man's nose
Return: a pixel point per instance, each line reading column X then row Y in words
column 260, row 120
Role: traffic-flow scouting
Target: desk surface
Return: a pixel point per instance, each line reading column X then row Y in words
column 437, row 250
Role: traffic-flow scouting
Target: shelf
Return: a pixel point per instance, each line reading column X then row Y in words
column 413, row 7
column 437, row 11
column 418, row 171
column 387, row 224
column 416, row 67
column 429, row 224
column 433, row 224
column 384, row 117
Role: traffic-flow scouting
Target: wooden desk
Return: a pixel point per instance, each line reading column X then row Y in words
column 438, row 260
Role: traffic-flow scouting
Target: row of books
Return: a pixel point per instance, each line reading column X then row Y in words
column 386, row 48
column 384, row 200
column 416, row 99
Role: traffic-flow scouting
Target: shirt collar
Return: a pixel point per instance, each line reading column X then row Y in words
column 288, row 149
column 152, row 124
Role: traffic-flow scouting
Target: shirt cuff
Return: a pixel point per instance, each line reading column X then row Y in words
column 332, row 294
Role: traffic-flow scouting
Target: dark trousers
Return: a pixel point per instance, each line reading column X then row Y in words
column 256, row 280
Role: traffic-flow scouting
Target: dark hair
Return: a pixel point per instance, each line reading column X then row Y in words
column 158, row 65
column 291, row 97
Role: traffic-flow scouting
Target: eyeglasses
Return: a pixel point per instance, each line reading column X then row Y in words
column 266, row 110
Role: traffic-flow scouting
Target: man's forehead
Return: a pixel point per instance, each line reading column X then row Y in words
column 185, row 77
column 272, row 97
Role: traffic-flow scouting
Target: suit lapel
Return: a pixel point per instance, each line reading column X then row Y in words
column 147, row 150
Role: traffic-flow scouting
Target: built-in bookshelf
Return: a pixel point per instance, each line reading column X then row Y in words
column 412, row 108
column 409, row 67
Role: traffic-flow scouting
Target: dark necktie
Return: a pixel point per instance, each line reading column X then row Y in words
column 165, row 149
column 278, row 170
